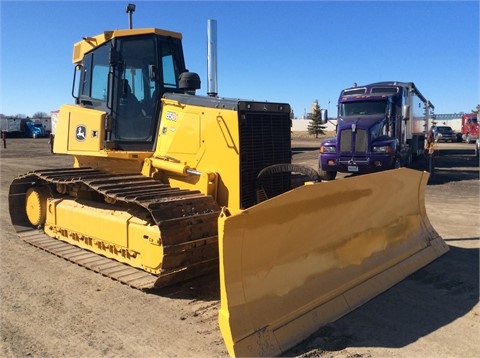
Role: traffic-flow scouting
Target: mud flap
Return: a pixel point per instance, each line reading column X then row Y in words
column 293, row 263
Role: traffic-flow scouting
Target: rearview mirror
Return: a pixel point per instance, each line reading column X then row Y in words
column 323, row 116
column 406, row 112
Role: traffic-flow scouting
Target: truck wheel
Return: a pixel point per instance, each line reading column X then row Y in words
column 397, row 163
column 409, row 160
column 327, row 175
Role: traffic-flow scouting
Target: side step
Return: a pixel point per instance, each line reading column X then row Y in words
column 128, row 275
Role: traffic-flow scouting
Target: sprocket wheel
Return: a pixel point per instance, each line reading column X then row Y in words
column 36, row 204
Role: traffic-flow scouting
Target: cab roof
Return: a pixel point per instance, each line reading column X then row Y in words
column 89, row 43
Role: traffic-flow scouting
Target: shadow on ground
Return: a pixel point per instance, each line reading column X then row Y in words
column 406, row 312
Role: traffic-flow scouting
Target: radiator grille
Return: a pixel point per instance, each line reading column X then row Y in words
column 346, row 141
column 361, row 141
column 264, row 140
column 353, row 142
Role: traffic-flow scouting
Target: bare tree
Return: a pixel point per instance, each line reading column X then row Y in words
column 40, row 115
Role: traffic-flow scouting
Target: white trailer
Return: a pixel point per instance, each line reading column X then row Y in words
column 11, row 125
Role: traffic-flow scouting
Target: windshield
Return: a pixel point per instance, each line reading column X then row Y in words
column 363, row 108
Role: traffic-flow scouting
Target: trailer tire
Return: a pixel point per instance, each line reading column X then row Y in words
column 397, row 162
column 327, row 175
column 410, row 160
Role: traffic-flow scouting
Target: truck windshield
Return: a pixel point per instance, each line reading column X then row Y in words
column 363, row 108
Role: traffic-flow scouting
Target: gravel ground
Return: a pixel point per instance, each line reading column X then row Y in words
column 52, row 308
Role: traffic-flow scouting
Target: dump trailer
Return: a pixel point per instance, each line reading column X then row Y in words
column 380, row 126
column 168, row 185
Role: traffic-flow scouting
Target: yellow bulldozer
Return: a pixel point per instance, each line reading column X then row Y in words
column 168, row 185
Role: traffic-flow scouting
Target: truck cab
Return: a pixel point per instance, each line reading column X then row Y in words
column 469, row 127
column 35, row 129
column 375, row 130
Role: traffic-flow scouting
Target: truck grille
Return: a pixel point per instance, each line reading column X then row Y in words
column 361, row 141
column 346, row 141
column 264, row 140
column 353, row 142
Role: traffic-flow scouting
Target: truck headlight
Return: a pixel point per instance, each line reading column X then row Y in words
column 382, row 149
column 328, row 149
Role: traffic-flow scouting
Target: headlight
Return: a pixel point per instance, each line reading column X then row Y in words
column 327, row 149
column 382, row 149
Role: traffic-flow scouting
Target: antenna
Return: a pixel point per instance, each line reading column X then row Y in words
column 130, row 10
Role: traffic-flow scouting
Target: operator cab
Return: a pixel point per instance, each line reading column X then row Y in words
column 125, row 77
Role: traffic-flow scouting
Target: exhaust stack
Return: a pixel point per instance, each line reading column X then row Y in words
column 212, row 85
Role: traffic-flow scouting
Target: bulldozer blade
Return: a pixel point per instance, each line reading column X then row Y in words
column 298, row 261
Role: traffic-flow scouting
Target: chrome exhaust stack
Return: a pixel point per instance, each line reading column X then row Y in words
column 212, row 84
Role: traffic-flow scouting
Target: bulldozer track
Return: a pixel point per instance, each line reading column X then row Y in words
column 126, row 274
column 187, row 220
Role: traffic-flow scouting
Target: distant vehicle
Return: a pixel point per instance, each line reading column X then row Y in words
column 469, row 127
column 35, row 129
column 444, row 134
column 380, row 126
column 12, row 126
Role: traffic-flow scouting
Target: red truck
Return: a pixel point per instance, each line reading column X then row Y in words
column 469, row 127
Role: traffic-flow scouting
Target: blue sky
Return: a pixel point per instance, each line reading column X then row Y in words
column 280, row 51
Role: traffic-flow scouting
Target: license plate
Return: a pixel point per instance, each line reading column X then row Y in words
column 353, row 168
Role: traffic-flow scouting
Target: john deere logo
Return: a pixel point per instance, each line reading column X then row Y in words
column 81, row 133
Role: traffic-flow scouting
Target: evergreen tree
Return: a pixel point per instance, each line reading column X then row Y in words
column 315, row 126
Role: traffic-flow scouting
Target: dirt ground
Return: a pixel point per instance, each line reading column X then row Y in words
column 52, row 308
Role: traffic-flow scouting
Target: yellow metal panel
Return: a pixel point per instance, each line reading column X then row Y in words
column 79, row 129
column 112, row 161
column 115, row 234
column 204, row 139
column 181, row 132
column 302, row 259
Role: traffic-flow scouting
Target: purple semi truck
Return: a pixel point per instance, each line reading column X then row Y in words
column 380, row 126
